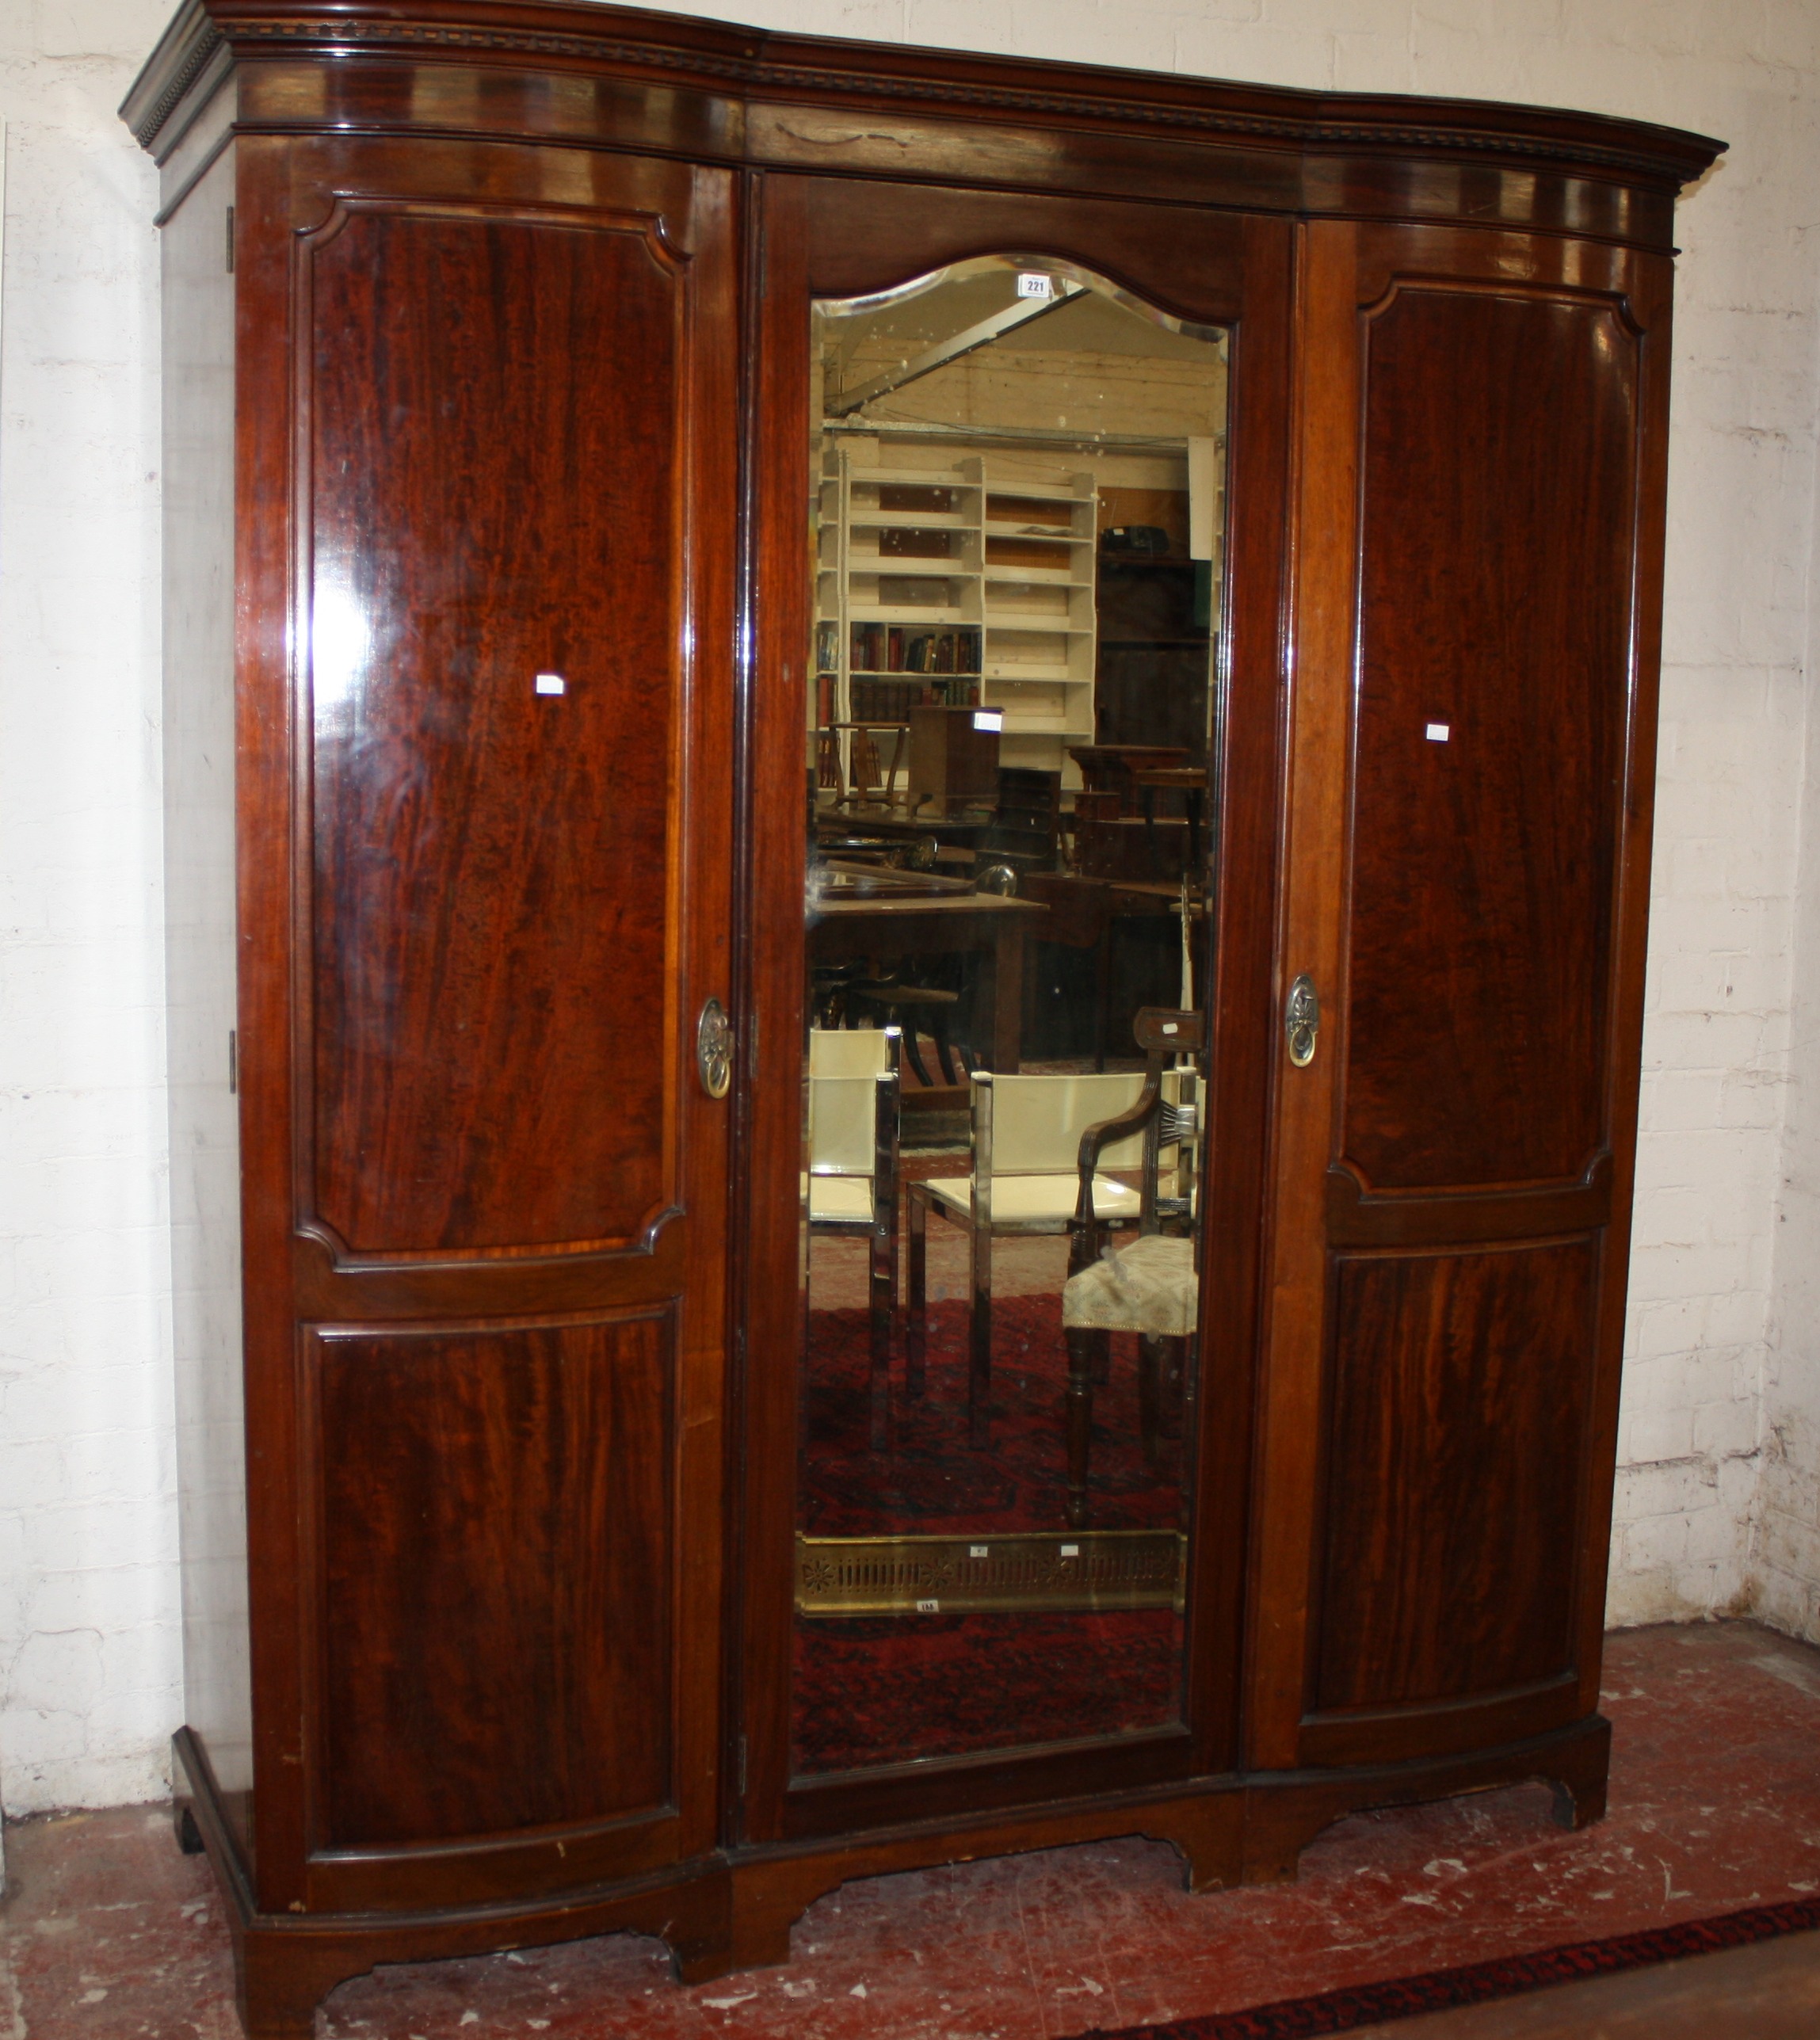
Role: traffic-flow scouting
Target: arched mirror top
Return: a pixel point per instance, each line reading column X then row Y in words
column 1019, row 344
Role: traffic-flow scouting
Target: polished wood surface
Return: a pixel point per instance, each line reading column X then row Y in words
column 487, row 857
column 521, row 296
column 515, row 1485
column 1499, row 450
column 1308, row 940
column 731, row 94
column 716, row 1913
column 451, row 1254
column 1418, row 848
column 1456, row 1449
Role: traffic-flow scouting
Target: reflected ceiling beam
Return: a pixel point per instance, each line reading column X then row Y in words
column 1021, row 312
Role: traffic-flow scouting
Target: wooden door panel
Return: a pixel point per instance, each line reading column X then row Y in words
column 1478, row 546
column 496, row 1523
column 1459, row 1386
column 491, row 1195
column 1498, row 472
column 502, row 395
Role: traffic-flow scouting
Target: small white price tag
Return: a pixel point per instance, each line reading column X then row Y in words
column 988, row 718
column 1033, row 284
column 1071, row 1551
column 928, row 1607
column 1438, row 733
column 976, row 1551
column 550, row 683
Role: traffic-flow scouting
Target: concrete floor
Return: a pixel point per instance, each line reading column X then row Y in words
column 109, row 1933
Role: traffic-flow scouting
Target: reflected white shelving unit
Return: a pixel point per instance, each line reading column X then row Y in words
column 986, row 566
column 1038, row 540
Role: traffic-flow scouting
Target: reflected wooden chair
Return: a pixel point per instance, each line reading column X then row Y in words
column 851, row 1183
column 1151, row 1286
column 1026, row 1140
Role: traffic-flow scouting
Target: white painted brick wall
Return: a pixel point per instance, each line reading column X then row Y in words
column 88, row 1667
column 88, row 1686
column 1786, row 1551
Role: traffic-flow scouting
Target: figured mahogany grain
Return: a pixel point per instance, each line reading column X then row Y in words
column 497, row 1552
column 1455, row 1443
column 494, row 409
column 1499, row 449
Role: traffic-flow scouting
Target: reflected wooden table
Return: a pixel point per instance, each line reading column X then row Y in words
column 1085, row 914
column 886, row 929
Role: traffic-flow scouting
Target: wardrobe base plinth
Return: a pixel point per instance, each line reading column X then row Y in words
column 724, row 1914
column 285, row 1964
column 1287, row 1810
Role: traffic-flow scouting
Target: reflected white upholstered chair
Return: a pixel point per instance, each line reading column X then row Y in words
column 850, row 1186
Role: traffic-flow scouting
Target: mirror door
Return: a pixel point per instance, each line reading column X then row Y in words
column 1005, row 1138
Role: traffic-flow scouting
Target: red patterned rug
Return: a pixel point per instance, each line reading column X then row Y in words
column 1509, row 1976
column 889, row 1689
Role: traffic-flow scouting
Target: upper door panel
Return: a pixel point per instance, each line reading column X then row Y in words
column 496, row 691
column 1499, row 435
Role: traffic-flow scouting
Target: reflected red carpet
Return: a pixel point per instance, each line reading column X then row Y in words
column 893, row 1688
column 931, row 1480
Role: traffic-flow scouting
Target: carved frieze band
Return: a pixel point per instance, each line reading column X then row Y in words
column 757, row 72
column 145, row 127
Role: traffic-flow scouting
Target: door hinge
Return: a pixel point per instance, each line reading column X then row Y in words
column 742, row 1766
column 230, row 240
column 233, row 1062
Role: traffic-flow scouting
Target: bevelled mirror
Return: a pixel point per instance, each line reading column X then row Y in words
column 1016, row 531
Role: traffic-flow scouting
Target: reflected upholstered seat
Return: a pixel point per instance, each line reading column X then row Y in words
column 1026, row 1142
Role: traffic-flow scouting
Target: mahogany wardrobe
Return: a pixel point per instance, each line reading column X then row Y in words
column 510, row 525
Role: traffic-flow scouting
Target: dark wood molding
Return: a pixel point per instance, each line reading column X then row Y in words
column 763, row 64
column 1358, row 1216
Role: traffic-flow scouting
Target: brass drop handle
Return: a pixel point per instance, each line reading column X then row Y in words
column 714, row 1048
column 1301, row 1020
